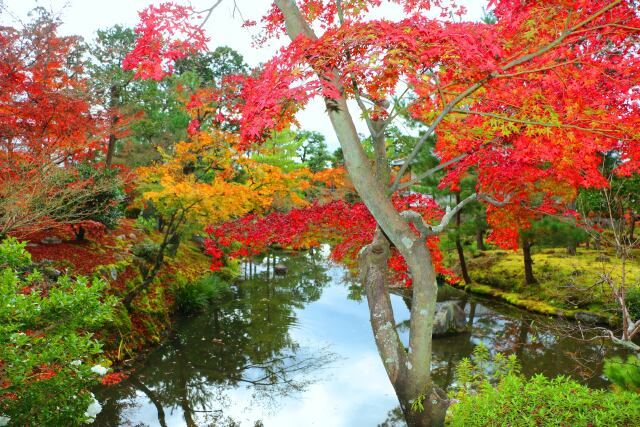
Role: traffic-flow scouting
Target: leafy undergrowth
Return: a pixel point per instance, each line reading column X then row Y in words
column 110, row 257
column 491, row 391
column 566, row 284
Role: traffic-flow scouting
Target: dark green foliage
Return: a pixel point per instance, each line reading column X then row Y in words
column 105, row 206
column 313, row 150
column 633, row 301
column 211, row 67
column 624, row 374
column 46, row 344
column 493, row 393
column 337, row 159
column 194, row 298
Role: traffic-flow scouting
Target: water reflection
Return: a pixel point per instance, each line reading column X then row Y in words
column 297, row 350
column 244, row 341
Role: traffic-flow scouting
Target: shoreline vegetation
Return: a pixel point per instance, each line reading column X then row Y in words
column 568, row 286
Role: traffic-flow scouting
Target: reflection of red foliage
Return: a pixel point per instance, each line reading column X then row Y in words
column 113, row 378
column 349, row 227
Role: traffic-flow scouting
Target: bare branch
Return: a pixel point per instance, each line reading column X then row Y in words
column 415, row 218
column 431, row 171
column 209, row 11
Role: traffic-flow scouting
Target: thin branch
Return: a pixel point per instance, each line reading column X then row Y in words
column 450, row 106
column 601, row 132
column 432, row 128
column 433, row 170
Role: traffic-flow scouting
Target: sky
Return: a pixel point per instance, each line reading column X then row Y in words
column 84, row 17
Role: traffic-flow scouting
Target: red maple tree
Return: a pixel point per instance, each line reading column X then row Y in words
column 529, row 104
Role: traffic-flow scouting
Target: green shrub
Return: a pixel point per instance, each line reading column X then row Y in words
column 13, row 254
column 625, row 375
column 48, row 358
column 632, row 299
column 491, row 394
column 195, row 297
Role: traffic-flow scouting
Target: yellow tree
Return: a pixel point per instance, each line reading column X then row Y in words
column 207, row 181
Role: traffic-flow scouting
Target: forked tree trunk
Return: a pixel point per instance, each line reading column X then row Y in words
column 408, row 381
column 529, row 278
column 409, row 371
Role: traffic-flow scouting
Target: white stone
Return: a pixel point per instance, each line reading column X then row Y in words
column 76, row 363
column 4, row 420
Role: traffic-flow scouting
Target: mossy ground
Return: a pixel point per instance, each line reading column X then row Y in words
column 566, row 284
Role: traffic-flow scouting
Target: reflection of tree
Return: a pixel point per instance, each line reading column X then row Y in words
column 242, row 341
column 550, row 346
column 395, row 418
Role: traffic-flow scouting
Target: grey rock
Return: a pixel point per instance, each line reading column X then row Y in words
column 51, row 240
column 450, row 319
column 590, row 318
column 113, row 273
column 199, row 241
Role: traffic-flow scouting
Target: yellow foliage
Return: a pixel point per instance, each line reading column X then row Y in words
column 212, row 182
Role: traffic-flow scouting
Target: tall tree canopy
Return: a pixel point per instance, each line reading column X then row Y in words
column 528, row 104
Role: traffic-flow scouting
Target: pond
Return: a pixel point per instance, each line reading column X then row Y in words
column 297, row 350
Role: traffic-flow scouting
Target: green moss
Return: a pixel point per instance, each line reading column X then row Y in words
column 566, row 284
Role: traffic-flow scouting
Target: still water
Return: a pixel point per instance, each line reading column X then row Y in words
column 297, row 350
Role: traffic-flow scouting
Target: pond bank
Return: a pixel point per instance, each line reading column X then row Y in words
column 566, row 284
column 298, row 350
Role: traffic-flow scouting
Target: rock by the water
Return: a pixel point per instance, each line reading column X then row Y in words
column 590, row 318
column 51, row 240
column 450, row 319
column 280, row 269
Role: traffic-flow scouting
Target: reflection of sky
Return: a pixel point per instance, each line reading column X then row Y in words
column 353, row 389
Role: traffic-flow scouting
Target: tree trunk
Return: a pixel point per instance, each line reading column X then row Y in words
column 411, row 380
column 480, row 239
column 114, row 94
column 80, row 234
column 459, row 248
column 632, row 226
column 572, row 248
column 529, row 278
